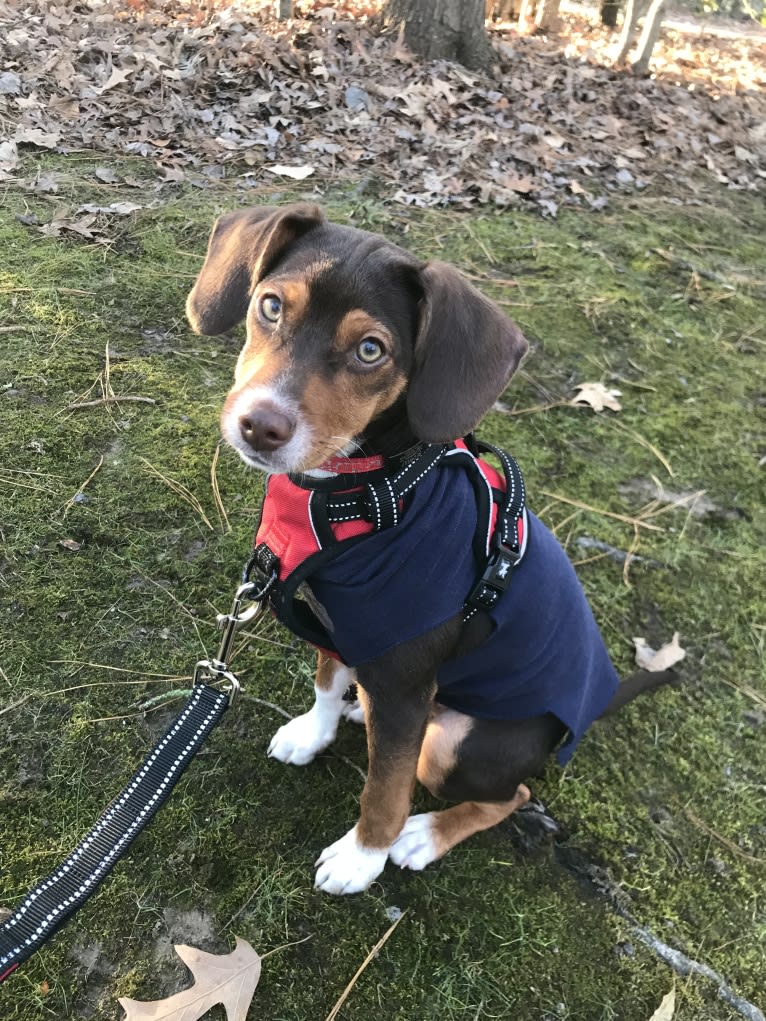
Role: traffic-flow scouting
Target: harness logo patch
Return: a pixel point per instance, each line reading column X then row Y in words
column 503, row 570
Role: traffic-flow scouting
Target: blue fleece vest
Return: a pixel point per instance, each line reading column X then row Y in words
column 545, row 655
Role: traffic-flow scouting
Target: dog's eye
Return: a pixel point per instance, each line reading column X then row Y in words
column 370, row 350
column 271, row 307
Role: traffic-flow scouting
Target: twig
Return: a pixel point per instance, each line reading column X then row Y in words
column 530, row 411
column 295, row 943
column 745, row 689
column 180, row 490
column 706, row 274
column 604, row 513
column 110, row 399
column 70, row 503
column 721, row 839
column 15, row 705
column 117, row 669
column 644, row 443
column 629, row 558
column 222, row 515
column 373, row 953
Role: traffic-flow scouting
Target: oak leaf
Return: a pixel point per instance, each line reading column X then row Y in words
column 597, row 396
column 229, row 979
column 662, row 659
column 667, row 1008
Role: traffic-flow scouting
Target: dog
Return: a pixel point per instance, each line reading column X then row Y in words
column 474, row 653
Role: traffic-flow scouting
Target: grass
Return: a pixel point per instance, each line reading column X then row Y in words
column 667, row 801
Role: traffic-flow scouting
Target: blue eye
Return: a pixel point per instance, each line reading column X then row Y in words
column 370, row 350
column 271, row 307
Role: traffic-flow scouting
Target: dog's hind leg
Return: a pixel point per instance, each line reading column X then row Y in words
column 480, row 763
column 303, row 738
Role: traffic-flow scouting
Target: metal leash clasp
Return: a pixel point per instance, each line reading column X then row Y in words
column 217, row 669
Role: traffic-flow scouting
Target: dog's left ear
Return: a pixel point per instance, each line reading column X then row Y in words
column 465, row 352
column 242, row 248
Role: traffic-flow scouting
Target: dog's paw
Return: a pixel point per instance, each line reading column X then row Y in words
column 347, row 866
column 303, row 738
column 354, row 712
column 415, row 847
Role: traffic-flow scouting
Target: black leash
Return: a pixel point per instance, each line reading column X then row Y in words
column 51, row 904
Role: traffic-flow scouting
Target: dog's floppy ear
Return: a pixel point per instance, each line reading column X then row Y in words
column 242, row 248
column 466, row 350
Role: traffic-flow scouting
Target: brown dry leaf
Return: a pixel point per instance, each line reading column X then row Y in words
column 662, row 659
column 9, row 155
column 296, row 173
column 36, row 136
column 597, row 396
column 667, row 1008
column 228, row 979
column 523, row 185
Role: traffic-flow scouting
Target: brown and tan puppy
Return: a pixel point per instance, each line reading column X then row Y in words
column 353, row 345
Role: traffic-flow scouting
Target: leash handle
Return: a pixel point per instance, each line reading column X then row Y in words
column 52, row 903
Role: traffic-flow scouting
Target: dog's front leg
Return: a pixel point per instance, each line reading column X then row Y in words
column 300, row 740
column 396, row 691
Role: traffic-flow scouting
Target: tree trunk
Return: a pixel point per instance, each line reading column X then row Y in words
column 630, row 17
column 443, row 29
column 527, row 15
column 609, row 11
column 547, row 16
column 649, row 34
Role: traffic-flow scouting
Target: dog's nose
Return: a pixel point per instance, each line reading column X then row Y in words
column 265, row 428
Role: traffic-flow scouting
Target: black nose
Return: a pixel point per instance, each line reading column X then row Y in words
column 265, row 428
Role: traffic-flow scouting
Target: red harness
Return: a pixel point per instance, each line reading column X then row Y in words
column 306, row 521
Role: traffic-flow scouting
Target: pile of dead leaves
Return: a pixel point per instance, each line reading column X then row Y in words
column 220, row 90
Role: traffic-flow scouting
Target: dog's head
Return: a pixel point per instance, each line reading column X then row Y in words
column 342, row 326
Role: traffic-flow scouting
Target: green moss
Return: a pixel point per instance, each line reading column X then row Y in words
column 667, row 798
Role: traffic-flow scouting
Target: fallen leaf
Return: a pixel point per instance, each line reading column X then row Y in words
column 597, row 396
column 554, row 141
column 523, row 185
column 667, row 1008
column 9, row 155
column 117, row 77
column 296, row 173
column 120, row 208
column 662, row 659
column 229, row 979
column 71, row 544
column 10, row 83
column 36, row 136
column 107, row 175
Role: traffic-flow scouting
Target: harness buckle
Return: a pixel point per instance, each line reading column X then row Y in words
column 495, row 578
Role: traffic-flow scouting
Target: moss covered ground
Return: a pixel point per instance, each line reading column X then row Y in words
column 109, row 589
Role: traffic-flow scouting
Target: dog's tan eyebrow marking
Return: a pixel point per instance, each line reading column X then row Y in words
column 355, row 325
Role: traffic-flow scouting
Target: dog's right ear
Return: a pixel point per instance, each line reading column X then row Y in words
column 242, row 248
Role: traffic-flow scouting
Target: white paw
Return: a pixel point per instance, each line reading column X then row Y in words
column 354, row 712
column 300, row 740
column 415, row 846
column 348, row 867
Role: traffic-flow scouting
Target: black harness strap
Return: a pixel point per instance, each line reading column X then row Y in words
column 379, row 501
column 52, row 903
column 377, row 497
